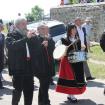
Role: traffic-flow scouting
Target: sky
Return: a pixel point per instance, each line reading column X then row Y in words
column 9, row 9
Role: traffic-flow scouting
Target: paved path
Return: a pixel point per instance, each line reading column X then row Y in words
column 96, row 61
column 93, row 95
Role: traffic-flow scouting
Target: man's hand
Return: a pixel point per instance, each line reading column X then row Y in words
column 31, row 33
column 45, row 43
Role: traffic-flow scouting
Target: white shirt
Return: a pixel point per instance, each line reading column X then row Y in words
column 72, row 39
column 88, row 28
column 59, row 42
column 27, row 51
column 66, row 1
column 81, row 35
column 11, row 28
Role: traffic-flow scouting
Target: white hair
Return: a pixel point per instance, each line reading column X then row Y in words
column 19, row 20
column 78, row 18
column 42, row 24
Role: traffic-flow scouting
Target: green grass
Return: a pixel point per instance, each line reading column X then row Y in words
column 97, row 54
column 97, row 71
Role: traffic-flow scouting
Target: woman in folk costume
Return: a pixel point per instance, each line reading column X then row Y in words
column 71, row 75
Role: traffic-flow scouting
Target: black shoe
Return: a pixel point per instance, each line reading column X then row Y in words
column 52, row 83
column 44, row 104
column 72, row 100
column 90, row 78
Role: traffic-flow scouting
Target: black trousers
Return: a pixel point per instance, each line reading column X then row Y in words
column 25, row 84
column 43, row 96
column 78, row 72
column 0, row 82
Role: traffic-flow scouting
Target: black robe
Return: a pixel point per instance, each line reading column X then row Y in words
column 2, row 38
column 46, row 65
column 18, row 62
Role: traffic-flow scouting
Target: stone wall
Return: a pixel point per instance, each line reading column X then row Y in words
column 96, row 11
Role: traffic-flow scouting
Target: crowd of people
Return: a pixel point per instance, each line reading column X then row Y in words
column 31, row 55
column 67, row 2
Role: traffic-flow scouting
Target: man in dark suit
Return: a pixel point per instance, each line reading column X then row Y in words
column 20, row 53
column 2, row 38
column 47, row 64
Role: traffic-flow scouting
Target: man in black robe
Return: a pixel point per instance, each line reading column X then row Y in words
column 20, row 53
column 2, row 38
column 47, row 65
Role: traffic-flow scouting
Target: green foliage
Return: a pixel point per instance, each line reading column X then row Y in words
column 29, row 17
column 97, row 54
column 35, row 15
column 74, row 1
column 77, row 1
column 71, row 1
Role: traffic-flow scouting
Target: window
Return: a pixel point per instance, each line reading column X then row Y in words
column 57, row 30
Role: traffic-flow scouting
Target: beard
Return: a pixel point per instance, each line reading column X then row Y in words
column 22, row 31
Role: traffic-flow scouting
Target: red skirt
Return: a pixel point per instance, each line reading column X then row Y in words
column 66, row 81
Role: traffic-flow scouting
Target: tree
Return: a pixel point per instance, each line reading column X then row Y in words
column 35, row 15
column 29, row 17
